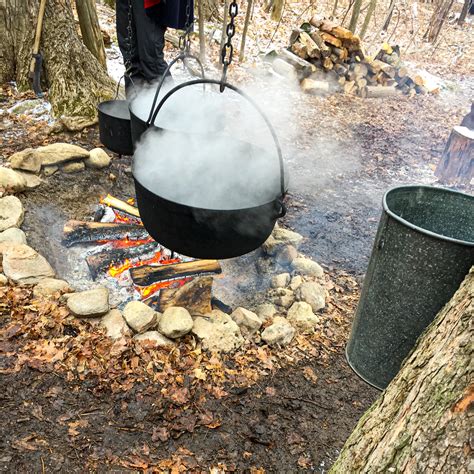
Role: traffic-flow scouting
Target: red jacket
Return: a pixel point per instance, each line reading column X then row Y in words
column 151, row 3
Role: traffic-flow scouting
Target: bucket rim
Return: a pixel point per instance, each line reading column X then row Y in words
column 420, row 229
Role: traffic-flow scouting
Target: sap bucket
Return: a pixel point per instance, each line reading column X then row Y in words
column 423, row 249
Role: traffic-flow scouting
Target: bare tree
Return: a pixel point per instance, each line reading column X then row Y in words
column 90, row 29
column 465, row 9
column 202, row 41
column 437, row 20
column 355, row 15
column 76, row 80
column 423, row 419
column 368, row 17
column 248, row 13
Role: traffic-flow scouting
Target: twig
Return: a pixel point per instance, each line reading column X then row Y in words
column 305, row 400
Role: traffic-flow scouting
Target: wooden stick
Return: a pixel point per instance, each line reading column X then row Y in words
column 79, row 232
column 148, row 274
column 100, row 262
column 39, row 27
column 120, row 205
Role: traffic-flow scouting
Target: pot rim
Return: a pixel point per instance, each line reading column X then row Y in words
column 100, row 109
column 279, row 198
column 416, row 228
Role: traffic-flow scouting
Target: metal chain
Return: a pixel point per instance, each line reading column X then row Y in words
column 228, row 50
column 128, row 52
column 184, row 40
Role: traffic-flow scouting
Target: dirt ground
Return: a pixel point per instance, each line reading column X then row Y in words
column 342, row 155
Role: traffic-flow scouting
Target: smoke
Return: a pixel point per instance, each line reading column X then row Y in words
column 214, row 150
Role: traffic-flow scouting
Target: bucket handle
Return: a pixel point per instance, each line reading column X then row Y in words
column 118, row 85
column 256, row 107
column 183, row 58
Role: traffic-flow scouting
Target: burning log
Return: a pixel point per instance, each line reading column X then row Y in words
column 457, row 163
column 102, row 261
column 76, row 232
column 195, row 296
column 120, row 205
column 146, row 275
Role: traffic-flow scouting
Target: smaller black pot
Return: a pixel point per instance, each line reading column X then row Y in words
column 114, row 126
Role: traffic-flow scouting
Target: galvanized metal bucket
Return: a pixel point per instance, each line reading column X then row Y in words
column 423, row 249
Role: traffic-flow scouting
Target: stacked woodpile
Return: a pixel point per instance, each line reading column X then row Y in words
column 338, row 52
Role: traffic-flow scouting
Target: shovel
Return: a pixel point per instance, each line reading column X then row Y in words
column 37, row 59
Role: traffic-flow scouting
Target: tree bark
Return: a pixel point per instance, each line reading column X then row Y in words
column 355, row 15
column 465, row 9
column 368, row 17
column 422, row 421
column 457, row 163
column 90, row 29
column 76, row 81
column 437, row 20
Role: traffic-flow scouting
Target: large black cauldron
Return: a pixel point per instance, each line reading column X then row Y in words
column 209, row 233
column 114, row 125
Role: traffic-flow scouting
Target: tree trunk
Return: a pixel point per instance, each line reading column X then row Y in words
column 246, row 27
column 368, row 17
column 465, row 9
column 457, row 163
column 388, row 19
column 90, row 29
column 76, row 81
column 202, row 40
column 422, row 421
column 210, row 9
column 224, row 23
column 437, row 20
column 277, row 9
column 355, row 15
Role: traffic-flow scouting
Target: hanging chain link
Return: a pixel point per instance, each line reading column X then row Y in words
column 228, row 49
column 185, row 40
column 128, row 52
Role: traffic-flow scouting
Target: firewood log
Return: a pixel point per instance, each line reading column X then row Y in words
column 311, row 46
column 363, row 92
column 311, row 86
column 300, row 50
column 294, row 36
column 328, row 38
column 381, row 91
column 341, row 53
column 327, row 63
column 340, row 69
column 303, row 67
column 285, row 69
column 362, row 82
column 323, row 47
column 349, row 87
column 361, row 70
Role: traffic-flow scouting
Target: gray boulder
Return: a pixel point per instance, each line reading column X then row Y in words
column 50, row 286
column 26, row 160
column 11, row 180
column 11, row 212
column 14, row 235
column 312, row 293
column 98, row 159
column 301, row 316
column 154, row 340
column 306, row 266
column 280, row 281
column 90, row 303
column 266, row 311
column 248, row 321
column 175, row 322
column 280, row 332
column 139, row 316
column 115, row 325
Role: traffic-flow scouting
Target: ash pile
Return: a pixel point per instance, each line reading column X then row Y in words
column 327, row 57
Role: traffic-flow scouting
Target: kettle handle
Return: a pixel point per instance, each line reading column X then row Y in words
column 245, row 96
column 180, row 57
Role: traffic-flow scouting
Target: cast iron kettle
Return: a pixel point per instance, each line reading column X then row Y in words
column 209, row 233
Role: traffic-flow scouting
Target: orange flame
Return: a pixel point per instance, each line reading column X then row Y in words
column 116, row 270
column 147, row 291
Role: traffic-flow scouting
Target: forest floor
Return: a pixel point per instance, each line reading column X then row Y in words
column 255, row 411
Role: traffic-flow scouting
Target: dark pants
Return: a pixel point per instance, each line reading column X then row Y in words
column 147, row 62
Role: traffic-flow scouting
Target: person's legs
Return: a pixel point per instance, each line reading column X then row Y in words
column 129, row 51
column 150, row 42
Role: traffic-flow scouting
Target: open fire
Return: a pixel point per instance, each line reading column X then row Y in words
column 123, row 251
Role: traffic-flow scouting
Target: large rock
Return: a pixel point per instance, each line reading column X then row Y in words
column 301, row 316
column 32, row 180
column 139, row 316
column 280, row 281
column 280, row 332
column 14, row 235
column 218, row 332
column 306, row 266
column 3, row 279
column 286, row 254
column 50, row 170
column 90, row 303
column 98, row 158
column 11, row 212
column 154, row 340
column 24, row 265
column 312, row 293
column 11, row 180
column 266, row 311
column 115, row 325
column 26, row 160
column 50, row 286
column 60, row 153
column 287, row 237
column 295, row 282
column 282, row 297
column 175, row 322
column 73, row 167
column 248, row 321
